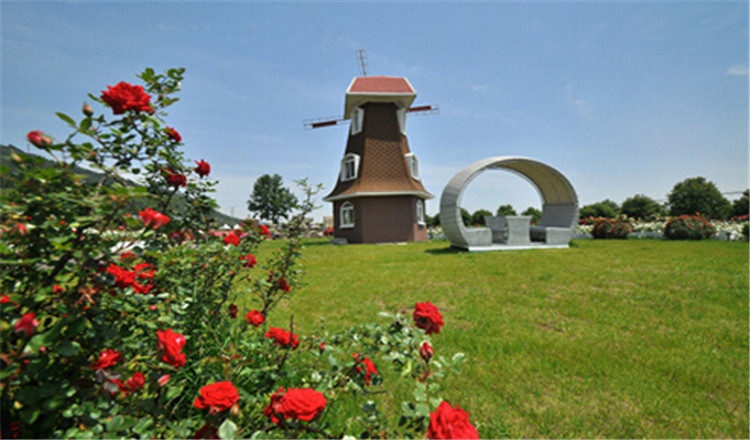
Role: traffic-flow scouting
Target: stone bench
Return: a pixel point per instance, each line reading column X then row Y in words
column 551, row 234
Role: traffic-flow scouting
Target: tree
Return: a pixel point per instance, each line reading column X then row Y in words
column 606, row 208
column 741, row 206
column 478, row 217
column 270, row 200
column 433, row 221
column 535, row 214
column 642, row 207
column 506, row 210
column 697, row 195
column 465, row 217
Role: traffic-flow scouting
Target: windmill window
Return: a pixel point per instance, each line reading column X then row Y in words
column 346, row 215
column 413, row 164
column 357, row 118
column 349, row 167
column 420, row 212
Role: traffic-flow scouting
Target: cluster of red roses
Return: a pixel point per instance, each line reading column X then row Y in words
column 365, row 365
column 124, row 97
column 282, row 337
column 109, row 358
column 169, row 342
column 132, row 278
column 302, row 404
column 253, row 317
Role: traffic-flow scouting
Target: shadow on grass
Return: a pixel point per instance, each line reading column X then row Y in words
column 445, row 250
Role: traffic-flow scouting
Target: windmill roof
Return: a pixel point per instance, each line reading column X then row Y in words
column 365, row 89
column 381, row 84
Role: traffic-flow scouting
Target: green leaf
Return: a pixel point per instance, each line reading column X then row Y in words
column 143, row 424
column 227, row 430
column 67, row 119
column 458, row 358
column 115, row 423
column 69, row 348
column 422, row 410
column 174, row 392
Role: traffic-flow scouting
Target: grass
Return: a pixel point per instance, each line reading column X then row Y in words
column 613, row 339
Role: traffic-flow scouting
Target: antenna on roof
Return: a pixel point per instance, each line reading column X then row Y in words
column 362, row 59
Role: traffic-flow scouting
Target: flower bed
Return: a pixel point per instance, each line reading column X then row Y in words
column 731, row 230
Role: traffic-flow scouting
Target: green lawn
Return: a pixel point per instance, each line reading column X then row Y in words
column 615, row 339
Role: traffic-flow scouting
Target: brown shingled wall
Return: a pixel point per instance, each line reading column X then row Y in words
column 382, row 220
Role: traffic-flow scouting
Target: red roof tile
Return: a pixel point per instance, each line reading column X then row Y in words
column 380, row 84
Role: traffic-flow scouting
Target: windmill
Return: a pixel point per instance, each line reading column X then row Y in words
column 379, row 196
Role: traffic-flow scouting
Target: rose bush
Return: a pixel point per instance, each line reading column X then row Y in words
column 611, row 228
column 688, row 227
column 119, row 307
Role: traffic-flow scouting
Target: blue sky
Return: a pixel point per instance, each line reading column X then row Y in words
column 622, row 98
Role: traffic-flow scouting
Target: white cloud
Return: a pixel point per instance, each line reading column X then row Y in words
column 738, row 70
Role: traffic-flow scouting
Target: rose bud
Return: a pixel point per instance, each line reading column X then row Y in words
column 87, row 110
column 426, row 351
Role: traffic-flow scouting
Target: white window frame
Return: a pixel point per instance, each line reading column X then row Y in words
column 420, row 212
column 413, row 164
column 357, row 118
column 346, row 215
column 349, row 173
column 401, row 116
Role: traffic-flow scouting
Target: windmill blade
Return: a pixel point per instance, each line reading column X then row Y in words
column 430, row 109
column 312, row 124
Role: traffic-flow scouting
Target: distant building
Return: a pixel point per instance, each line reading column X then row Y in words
column 379, row 196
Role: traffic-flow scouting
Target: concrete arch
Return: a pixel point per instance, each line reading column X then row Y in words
column 559, row 199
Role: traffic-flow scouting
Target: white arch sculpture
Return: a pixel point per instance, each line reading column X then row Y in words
column 559, row 207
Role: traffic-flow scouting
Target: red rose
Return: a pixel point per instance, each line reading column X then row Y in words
column 231, row 239
column 107, row 358
column 296, row 403
column 176, row 179
column 369, row 368
column 171, row 344
column 233, row 310
column 255, row 318
column 283, row 285
column 125, row 96
column 450, row 423
column 250, row 260
column 149, row 216
column 282, row 337
column 203, row 168
column 38, row 138
column 26, row 324
column 218, row 396
column 58, row 289
column 6, row 299
column 20, row 228
column 172, row 133
column 427, row 317
column 426, row 351
column 123, row 278
column 127, row 255
column 208, row 431
column 136, row 382
column 264, row 230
